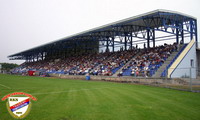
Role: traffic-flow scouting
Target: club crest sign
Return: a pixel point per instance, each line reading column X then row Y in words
column 19, row 107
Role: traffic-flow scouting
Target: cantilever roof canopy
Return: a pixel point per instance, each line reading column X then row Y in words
column 156, row 19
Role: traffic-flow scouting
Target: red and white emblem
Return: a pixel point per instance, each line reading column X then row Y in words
column 18, row 106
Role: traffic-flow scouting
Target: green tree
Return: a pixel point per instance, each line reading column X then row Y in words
column 8, row 66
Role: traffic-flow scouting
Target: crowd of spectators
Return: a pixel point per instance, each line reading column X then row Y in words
column 142, row 63
column 95, row 64
column 148, row 61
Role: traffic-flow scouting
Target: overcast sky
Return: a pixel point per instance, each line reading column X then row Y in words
column 25, row 24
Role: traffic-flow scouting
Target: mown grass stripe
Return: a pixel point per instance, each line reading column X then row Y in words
column 93, row 100
column 5, row 86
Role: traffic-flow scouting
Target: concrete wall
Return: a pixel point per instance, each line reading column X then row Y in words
column 198, row 62
column 137, row 80
column 184, row 68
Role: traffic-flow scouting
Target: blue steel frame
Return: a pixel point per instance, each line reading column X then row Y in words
column 179, row 26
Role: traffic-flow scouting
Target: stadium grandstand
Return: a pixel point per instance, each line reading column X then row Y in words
column 159, row 43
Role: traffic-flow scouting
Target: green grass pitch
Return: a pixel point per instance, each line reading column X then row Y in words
column 62, row 99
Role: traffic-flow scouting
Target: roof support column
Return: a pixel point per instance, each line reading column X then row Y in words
column 131, row 41
column 191, row 29
column 107, row 44
column 42, row 55
column 33, row 58
column 153, row 38
column 125, row 42
column 113, row 44
column 177, row 33
column 182, row 34
column 196, row 34
column 148, row 38
column 30, row 59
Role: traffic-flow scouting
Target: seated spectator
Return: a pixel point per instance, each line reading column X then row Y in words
column 104, row 63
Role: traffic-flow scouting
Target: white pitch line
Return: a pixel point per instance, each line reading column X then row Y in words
column 65, row 91
column 5, row 86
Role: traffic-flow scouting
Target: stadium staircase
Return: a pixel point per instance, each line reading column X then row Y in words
column 165, row 64
column 119, row 70
column 162, row 71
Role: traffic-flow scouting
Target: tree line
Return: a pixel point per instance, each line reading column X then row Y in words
column 8, row 66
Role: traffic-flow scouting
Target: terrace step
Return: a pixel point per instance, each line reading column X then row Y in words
column 116, row 73
column 167, row 62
